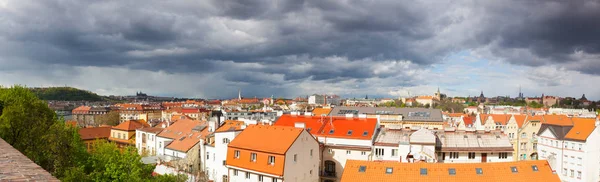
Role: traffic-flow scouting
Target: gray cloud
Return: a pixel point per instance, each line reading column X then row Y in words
column 283, row 43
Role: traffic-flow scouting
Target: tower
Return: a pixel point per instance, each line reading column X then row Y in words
column 240, row 94
column 438, row 94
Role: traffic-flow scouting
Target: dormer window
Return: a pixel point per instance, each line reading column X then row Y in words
column 389, row 170
column 331, row 131
column 362, row 169
column 365, row 133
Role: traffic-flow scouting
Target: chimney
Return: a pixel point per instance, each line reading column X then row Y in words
column 299, row 125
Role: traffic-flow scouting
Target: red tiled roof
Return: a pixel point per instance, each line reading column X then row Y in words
column 81, row 110
column 500, row 118
column 190, row 110
column 313, row 124
column 131, row 125
column 230, row 125
column 520, row 119
column 94, row 133
column 342, row 126
column 560, row 120
column 321, row 111
column 469, row 120
column 464, row 172
column 274, row 141
column 582, row 128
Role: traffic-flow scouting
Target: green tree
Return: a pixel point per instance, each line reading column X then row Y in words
column 534, row 104
column 32, row 128
column 111, row 118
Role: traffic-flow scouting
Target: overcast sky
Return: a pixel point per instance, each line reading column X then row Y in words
column 384, row 48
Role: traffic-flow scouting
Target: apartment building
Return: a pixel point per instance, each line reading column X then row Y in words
column 572, row 148
column 361, row 171
column 124, row 134
column 472, row 147
column 283, row 154
column 145, row 140
column 214, row 150
column 139, row 111
column 412, row 118
column 342, row 138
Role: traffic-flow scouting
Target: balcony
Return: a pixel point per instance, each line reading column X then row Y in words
column 328, row 174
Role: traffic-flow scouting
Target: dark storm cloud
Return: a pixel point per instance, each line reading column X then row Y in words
column 290, row 41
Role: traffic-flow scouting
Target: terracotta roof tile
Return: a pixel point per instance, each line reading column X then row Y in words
column 131, row 125
column 154, row 130
column 560, row 120
column 321, row 111
column 469, row 120
column 341, row 126
column 274, row 141
column 313, row 124
column 500, row 118
column 230, row 125
column 463, row 172
column 582, row 128
column 94, row 133
column 520, row 119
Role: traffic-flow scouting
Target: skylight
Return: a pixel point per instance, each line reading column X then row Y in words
column 365, row 133
column 423, row 171
column 349, row 132
column 479, row 171
column 362, row 169
column 389, row 170
column 534, row 168
column 331, row 131
column 514, row 169
column 452, row 171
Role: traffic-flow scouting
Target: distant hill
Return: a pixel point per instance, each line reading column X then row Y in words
column 66, row 94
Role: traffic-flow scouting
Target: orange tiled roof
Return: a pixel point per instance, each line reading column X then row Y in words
column 313, row 124
column 179, row 128
column 131, row 125
column 582, row 128
column 455, row 114
column 321, row 111
column 342, row 126
column 520, row 119
column 464, row 172
column 500, row 118
column 560, row 120
column 274, row 141
column 230, row 125
column 94, row 133
column 425, row 97
column 469, row 120
column 81, row 110
column 188, row 140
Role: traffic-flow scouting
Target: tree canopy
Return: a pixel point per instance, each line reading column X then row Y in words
column 66, row 94
column 112, row 118
column 31, row 127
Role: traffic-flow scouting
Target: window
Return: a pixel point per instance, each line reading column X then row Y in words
column 311, row 150
column 423, row 171
column 578, row 174
column 471, row 155
column 235, row 172
column 389, row 170
column 260, row 178
column 453, row 155
column 236, row 154
column 579, row 161
column 253, row 157
column 271, row 160
column 362, row 169
column 225, row 140
column 502, row 155
column 564, row 171
column 572, row 173
column 479, row 171
column 331, row 151
column 534, row 146
column 207, row 155
column 534, row 168
column 580, row 146
column 274, row 180
column 349, row 132
column 514, row 169
column 379, row 152
column 295, row 157
column 452, row 171
column 394, row 152
column 523, row 135
column 365, row 133
column 119, row 134
column 348, row 152
column 533, row 135
column 247, row 175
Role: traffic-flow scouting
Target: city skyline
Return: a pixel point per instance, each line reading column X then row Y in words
column 211, row 49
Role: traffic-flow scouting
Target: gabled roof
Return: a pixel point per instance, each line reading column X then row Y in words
column 361, row 171
column 81, row 109
column 131, row 125
column 559, row 120
column 185, row 133
column 230, row 125
column 154, row 130
column 558, row 131
column 500, row 118
column 94, row 133
column 179, row 128
column 582, row 128
column 264, row 138
column 520, row 119
column 321, row 111
column 469, row 120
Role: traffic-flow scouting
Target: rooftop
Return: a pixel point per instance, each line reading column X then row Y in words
column 522, row 171
column 321, row 111
column 473, row 141
column 131, row 125
column 410, row 114
column 14, row 166
column 94, row 133
column 273, row 139
column 230, row 125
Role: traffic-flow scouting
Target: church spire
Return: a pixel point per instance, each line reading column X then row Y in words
column 239, row 94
